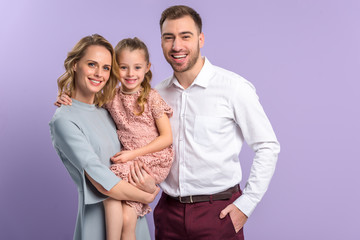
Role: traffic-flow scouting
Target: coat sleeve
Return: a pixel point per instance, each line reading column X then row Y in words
column 78, row 155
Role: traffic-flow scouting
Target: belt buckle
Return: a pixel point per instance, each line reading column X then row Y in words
column 191, row 200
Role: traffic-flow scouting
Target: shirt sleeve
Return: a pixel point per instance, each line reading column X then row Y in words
column 259, row 135
column 158, row 105
column 71, row 144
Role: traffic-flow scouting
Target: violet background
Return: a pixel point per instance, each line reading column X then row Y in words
column 302, row 56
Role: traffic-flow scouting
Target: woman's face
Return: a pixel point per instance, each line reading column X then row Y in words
column 92, row 72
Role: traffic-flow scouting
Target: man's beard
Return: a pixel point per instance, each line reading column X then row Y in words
column 190, row 64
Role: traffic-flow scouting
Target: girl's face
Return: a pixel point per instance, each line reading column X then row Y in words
column 92, row 72
column 133, row 68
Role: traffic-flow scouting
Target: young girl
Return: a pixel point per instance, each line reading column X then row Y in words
column 143, row 127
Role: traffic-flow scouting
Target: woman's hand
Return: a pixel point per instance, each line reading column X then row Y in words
column 153, row 195
column 123, row 156
column 141, row 177
column 64, row 99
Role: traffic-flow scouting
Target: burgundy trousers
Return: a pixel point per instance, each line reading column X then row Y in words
column 179, row 221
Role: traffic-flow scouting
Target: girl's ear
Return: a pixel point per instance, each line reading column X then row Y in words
column 148, row 67
column 74, row 67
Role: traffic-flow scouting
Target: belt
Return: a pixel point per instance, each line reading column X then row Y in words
column 225, row 195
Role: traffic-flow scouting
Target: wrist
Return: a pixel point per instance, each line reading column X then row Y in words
column 136, row 153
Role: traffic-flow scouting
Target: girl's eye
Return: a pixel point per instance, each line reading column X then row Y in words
column 137, row 68
column 123, row 67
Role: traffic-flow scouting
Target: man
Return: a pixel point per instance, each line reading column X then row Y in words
column 214, row 112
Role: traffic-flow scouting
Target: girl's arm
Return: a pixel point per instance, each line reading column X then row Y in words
column 162, row 141
column 125, row 191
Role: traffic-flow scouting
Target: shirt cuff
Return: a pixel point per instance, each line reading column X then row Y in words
column 245, row 205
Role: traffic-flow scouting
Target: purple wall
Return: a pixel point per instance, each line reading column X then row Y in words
column 302, row 56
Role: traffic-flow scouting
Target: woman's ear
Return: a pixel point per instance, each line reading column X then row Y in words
column 74, row 67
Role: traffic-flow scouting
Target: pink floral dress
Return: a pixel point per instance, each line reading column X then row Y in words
column 137, row 131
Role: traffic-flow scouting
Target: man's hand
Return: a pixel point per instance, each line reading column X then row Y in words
column 123, row 156
column 141, row 177
column 237, row 217
column 64, row 99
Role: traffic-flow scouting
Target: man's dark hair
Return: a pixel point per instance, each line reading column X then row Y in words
column 179, row 11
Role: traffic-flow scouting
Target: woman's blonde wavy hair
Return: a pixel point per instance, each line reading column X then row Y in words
column 136, row 44
column 66, row 82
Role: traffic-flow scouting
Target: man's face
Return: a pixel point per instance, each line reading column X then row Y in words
column 181, row 43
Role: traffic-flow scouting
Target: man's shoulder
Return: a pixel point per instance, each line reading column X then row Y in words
column 163, row 84
column 231, row 79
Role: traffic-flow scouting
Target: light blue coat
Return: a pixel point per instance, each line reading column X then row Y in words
column 84, row 136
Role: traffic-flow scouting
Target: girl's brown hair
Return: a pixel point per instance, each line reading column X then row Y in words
column 66, row 82
column 136, row 44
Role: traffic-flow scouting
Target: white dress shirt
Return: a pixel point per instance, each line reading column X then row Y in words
column 211, row 120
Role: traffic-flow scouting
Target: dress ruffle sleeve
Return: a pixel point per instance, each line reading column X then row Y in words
column 158, row 105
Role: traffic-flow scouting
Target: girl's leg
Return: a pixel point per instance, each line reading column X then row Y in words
column 113, row 218
column 129, row 223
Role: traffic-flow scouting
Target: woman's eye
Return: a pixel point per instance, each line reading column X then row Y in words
column 91, row 64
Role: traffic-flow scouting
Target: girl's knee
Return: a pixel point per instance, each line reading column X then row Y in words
column 129, row 217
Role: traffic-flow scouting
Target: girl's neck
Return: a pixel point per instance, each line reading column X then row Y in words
column 129, row 92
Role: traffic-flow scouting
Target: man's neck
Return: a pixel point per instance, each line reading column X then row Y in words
column 187, row 78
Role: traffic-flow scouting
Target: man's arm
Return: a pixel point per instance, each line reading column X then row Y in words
column 259, row 135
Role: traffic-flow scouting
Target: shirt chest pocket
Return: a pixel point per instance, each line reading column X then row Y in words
column 208, row 130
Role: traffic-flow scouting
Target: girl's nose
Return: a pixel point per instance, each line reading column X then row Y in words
column 130, row 72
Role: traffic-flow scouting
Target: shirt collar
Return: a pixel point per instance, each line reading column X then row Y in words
column 202, row 79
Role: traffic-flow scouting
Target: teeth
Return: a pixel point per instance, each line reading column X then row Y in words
column 94, row 81
column 179, row 56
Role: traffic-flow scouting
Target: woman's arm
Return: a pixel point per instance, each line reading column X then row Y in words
column 125, row 191
column 162, row 141
column 72, row 146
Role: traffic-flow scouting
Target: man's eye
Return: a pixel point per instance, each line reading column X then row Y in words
column 107, row 68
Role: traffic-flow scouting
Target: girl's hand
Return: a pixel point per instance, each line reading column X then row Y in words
column 123, row 156
column 64, row 99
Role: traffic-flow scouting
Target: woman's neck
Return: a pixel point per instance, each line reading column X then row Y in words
column 82, row 98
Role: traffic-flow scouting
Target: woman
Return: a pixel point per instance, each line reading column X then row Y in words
column 85, row 138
